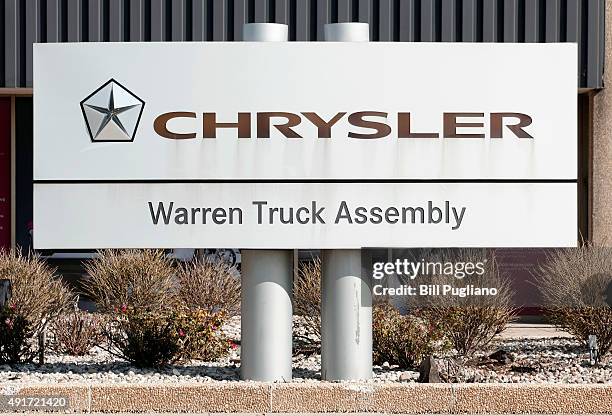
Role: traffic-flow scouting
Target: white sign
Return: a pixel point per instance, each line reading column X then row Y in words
column 313, row 215
column 222, row 125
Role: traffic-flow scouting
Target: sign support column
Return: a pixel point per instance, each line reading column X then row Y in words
column 267, row 285
column 346, row 296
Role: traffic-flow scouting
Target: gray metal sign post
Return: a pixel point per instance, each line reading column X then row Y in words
column 267, row 284
column 346, row 297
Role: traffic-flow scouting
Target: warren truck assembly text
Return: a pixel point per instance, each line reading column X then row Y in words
column 164, row 213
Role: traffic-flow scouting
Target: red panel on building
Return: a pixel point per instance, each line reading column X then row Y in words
column 5, row 172
column 518, row 264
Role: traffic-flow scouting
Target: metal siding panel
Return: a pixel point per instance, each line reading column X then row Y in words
column 281, row 11
column 302, row 25
column 574, row 33
column 553, row 21
column 345, row 11
column 11, row 41
column 582, row 22
column 598, row 83
column 595, row 43
column 73, row 21
column 116, row 23
column 324, row 13
column 407, row 21
column 385, row 20
column 158, row 20
column 209, row 23
column 365, row 14
column 178, row 20
column 94, row 24
column 261, row 11
column 511, row 24
column 469, row 29
column 532, row 21
column 31, row 36
column 240, row 18
column 53, row 21
column 428, row 21
column 573, row 17
column 449, row 21
column 137, row 20
column 198, row 20
column 219, row 20
column 489, row 21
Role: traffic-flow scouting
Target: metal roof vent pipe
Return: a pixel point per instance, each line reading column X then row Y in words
column 346, row 296
column 265, row 32
column 347, row 32
column 267, row 284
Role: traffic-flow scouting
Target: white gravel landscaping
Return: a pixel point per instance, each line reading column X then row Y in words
column 535, row 360
column 542, row 360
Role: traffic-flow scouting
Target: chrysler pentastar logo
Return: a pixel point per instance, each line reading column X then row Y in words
column 112, row 113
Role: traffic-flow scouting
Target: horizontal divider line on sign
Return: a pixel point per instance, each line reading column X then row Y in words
column 178, row 181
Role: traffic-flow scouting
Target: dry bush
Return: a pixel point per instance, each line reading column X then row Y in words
column 15, row 338
column 147, row 339
column 307, row 301
column 576, row 284
column 155, row 339
column 37, row 293
column 209, row 286
column 141, row 279
column 159, row 313
column 77, row 333
column 403, row 340
column 38, row 297
column 470, row 323
column 201, row 335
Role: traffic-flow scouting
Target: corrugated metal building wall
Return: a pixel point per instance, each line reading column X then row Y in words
column 27, row 21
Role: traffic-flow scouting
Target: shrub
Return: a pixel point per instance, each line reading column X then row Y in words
column 404, row 340
column 158, row 313
column 140, row 279
column 210, row 287
column 576, row 285
column 38, row 297
column 144, row 338
column 209, row 293
column 201, row 335
column 470, row 323
column 155, row 339
column 77, row 333
column 471, row 328
column 307, row 302
column 37, row 293
column 15, row 334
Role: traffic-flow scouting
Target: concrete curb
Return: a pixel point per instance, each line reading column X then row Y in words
column 245, row 397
